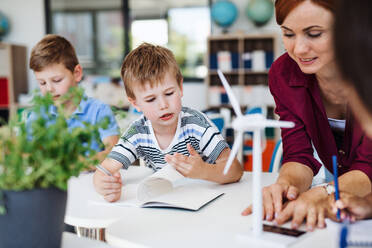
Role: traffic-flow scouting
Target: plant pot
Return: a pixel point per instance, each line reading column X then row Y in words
column 34, row 218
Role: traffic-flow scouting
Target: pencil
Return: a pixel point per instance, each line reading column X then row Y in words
column 103, row 169
column 335, row 176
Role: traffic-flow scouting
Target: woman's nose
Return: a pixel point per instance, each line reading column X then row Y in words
column 301, row 46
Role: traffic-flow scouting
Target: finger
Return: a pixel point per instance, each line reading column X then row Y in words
column 111, row 186
column 247, row 211
column 311, row 219
column 268, row 206
column 340, row 204
column 277, row 192
column 117, row 175
column 292, row 193
column 192, row 150
column 321, row 219
column 111, row 191
column 182, row 169
column 285, row 214
column 111, row 197
column 299, row 215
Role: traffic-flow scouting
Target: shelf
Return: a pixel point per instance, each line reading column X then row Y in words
column 245, row 61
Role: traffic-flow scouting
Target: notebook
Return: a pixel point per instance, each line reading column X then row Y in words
column 166, row 188
column 357, row 234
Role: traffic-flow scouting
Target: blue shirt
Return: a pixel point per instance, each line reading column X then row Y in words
column 90, row 111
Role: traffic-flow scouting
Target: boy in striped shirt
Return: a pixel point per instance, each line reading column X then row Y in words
column 167, row 132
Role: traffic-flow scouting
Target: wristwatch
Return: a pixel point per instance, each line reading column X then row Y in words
column 329, row 188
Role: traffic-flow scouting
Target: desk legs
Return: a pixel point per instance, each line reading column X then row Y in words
column 91, row 233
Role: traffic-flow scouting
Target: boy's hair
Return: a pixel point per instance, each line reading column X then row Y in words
column 148, row 64
column 53, row 49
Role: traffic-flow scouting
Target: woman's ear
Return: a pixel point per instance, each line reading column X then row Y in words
column 78, row 73
column 134, row 104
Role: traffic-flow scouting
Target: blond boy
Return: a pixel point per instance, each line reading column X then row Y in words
column 57, row 69
column 167, row 132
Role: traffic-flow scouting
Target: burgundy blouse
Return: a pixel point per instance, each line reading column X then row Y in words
column 297, row 98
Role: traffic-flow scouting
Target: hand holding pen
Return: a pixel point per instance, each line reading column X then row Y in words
column 107, row 184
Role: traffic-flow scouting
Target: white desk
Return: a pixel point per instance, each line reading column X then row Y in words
column 215, row 225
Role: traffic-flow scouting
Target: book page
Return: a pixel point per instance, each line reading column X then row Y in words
column 191, row 197
column 159, row 183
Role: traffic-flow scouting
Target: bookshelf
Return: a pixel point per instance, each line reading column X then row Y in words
column 13, row 77
column 245, row 61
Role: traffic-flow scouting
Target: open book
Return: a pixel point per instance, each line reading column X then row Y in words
column 166, row 188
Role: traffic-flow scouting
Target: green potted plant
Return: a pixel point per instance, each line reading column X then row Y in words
column 35, row 165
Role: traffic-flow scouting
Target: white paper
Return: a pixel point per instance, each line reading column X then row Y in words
column 165, row 188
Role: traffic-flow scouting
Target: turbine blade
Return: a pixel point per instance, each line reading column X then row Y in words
column 230, row 94
column 234, row 151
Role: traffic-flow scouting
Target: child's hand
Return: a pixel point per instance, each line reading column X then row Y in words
column 108, row 186
column 190, row 166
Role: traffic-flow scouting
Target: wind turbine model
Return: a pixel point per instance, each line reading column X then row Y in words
column 255, row 123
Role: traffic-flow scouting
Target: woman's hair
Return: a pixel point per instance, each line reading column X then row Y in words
column 284, row 7
column 353, row 45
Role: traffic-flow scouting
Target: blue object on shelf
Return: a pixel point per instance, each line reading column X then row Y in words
column 213, row 61
column 269, row 57
column 224, row 98
column 235, row 60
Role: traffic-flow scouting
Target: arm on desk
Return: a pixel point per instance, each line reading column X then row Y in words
column 108, row 186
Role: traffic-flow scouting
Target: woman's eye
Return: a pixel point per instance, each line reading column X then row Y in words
column 314, row 34
column 57, row 80
column 150, row 100
column 288, row 35
column 42, row 83
column 170, row 93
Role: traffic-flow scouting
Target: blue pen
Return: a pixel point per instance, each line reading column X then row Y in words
column 343, row 236
column 335, row 176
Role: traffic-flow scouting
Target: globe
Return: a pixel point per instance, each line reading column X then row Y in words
column 4, row 25
column 224, row 13
column 259, row 11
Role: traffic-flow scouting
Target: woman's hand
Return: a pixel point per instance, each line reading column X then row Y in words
column 191, row 166
column 353, row 207
column 313, row 205
column 273, row 198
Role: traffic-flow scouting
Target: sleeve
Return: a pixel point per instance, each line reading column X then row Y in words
column 363, row 157
column 112, row 128
column 212, row 143
column 297, row 145
column 125, row 150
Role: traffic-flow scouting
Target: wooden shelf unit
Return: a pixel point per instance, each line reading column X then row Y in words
column 13, row 77
column 242, row 50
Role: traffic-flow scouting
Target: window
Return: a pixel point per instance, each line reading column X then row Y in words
column 188, row 32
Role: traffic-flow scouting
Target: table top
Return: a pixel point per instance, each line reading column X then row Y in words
column 215, row 225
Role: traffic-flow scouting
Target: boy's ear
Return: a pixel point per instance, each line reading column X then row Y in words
column 134, row 104
column 78, row 73
column 181, row 87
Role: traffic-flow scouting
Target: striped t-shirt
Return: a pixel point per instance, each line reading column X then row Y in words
column 193, row 127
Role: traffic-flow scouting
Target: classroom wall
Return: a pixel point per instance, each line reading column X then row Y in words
column 27, row 25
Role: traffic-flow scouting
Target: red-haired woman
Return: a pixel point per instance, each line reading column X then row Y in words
column 308, row 90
